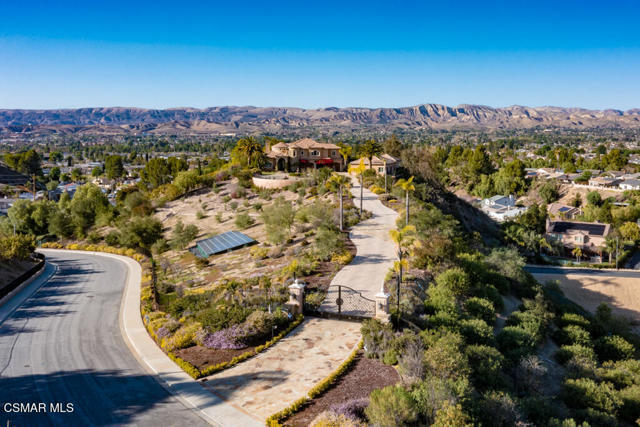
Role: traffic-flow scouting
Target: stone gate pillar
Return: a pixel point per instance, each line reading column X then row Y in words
column 382, row 306
column 296, row 297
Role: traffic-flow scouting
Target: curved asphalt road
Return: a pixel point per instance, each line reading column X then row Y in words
column 63, row 345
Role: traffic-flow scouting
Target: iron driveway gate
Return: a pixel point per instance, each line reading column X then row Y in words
column 345, row 302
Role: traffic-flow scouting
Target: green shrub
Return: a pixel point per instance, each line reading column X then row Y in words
column 328, row 242
column 390, row 357
column 623, row 373
column 455, row 279
column 630, row 410
column 577, row 351
column 243, row 220
column 476, row 331
column 451, row 415
column 445, row 358
column 112, row 238
column 515, row 341
column 486, row 364
column 480, row 308
column 614, row 348
column 391, row 406
column 574, row 319
column 587, row 393
column 219, row 217
column 573, row 334
column 376, row 336
column 222, row 316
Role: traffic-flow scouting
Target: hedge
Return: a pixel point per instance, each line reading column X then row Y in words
column 275, row 419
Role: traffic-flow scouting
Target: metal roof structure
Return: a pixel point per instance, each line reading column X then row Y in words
column 593, row 229
column 224, row 242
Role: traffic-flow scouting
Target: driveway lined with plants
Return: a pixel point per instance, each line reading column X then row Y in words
column 376, row 252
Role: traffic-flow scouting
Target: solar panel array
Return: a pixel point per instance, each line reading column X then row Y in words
column 592, row 229
column 221, row 243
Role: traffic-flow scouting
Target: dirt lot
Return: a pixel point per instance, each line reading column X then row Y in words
column 568, row 193
column 621, row 293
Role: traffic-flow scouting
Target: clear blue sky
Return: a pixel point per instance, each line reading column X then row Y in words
column 159, row 54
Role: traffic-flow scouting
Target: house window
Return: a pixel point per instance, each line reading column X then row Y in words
column 333, row 153
column 381, row 169
column 315, row 153
column 295, row 153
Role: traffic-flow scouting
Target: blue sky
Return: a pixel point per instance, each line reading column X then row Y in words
column 67, row 54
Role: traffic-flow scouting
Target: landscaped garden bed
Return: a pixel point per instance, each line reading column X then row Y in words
column 364, row 376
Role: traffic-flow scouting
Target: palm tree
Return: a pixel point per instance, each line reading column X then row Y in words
column 359, row 170
column 369, row 149
column 345, row 152
column 341, row 182
column 577, row 252
column 403, row 239
column 407, row 186
column 250, row 148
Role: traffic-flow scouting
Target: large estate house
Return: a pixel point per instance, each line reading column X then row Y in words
column 304, row 153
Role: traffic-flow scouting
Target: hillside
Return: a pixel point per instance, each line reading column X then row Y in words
column 275, row 119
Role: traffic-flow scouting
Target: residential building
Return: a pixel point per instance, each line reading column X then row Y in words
column 379, row 163
column 605, row 182
column 561, row 211
column 501, row 208
column 590, row 237
column 630, row 184
column 304, row 153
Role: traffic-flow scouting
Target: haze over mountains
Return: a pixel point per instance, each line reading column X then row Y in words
column 242, row 120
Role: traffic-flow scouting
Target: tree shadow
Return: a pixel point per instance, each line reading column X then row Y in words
column 98, row 398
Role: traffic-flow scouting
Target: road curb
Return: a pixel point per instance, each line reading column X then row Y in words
column 190, row 392
column 587, row 269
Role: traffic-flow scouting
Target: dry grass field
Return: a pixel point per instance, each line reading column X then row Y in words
column 622, row 294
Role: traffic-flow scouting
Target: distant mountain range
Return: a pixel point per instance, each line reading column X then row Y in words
column 243, row 120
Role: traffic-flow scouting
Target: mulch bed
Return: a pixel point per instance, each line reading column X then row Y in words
column 202, row 357
column 364, row 376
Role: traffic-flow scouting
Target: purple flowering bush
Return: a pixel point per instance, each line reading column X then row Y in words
column 352, row 409
column 163, row 332
column 230, row 338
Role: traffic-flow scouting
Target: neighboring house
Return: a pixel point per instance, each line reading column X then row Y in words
column 630, row 184
column 501, row 208
column 5, row 204
column 561, row 211
column 603, row 181
column 304, row 153
column 588, row 236
column 378, row 163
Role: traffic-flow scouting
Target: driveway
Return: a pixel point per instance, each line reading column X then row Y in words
column 62, row 347
column 376, row 252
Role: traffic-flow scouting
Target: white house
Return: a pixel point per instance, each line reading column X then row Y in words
column 630, row 184
column 501, row 208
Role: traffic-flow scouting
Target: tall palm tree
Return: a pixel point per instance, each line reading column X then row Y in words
column 251, row 149
column 407, row 186
column 403, row 238
column 370, row 149
column 341, row 182
column 345, row 151
column 577, row 252
column 359, row 171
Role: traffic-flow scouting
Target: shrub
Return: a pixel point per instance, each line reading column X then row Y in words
column 184, row 337
column 499, row 409
column 327, row 243
column 451, row 416
column 112, row 238
column 574, row 319
column 586, row 393
column 258, row 252
column 16, row 246
column 480, row 308
column 243, row 221
column 222, row 316
column 218, row 217
column 376, row 337
column 455, row 279
column 200, row 215
column 568, row 352
column 445, row 359
column 614, row 348
column 229, row 338
column 314, row 299
column 622, row 373
column 352, row 409
column 411, row 362
column 182, row 235
column 573, row 334
column 331, row 419
column 233, row 205
column 486, row 363
column 476, row 331
column 630, row 410
column 391, row 406
column 514, row 341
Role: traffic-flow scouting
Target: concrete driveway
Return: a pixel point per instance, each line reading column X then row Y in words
column 376, row 252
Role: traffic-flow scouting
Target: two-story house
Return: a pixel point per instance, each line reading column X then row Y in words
column 588, row 236
column 304, row 153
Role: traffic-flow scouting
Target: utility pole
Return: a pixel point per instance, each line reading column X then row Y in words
column 617, row 243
